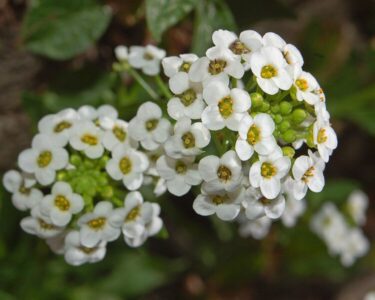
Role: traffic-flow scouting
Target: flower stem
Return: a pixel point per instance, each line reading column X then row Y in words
column 164, row 89
column 143, row 83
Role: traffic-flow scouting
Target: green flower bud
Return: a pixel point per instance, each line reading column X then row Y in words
column 278, row 119
column 285, row 108
column 299, row 115
column 106, row 192
column 103, row 161
column 289, row 136
column 75, row 160
column 265, row 106
column 275, row 108
column 288, row 151
column 61, row 176
column 256, row 100
column 284, row 126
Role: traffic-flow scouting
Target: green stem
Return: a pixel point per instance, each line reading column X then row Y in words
column 143, row 83
column 164, row 89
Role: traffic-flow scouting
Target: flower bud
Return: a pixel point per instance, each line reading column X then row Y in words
column 285, row 108
column 289, row 136
column 299, row 115
column 256, row 100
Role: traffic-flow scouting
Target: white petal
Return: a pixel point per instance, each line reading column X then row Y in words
column 203, row 207
column 179, row 83
column 270, row 187
column 227, row 212
column 276, row 208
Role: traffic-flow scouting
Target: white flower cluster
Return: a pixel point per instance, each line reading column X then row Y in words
column 68, row 181
column 343, row 237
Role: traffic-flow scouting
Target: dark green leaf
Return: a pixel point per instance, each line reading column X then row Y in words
column 60, row 30
column 162, row 14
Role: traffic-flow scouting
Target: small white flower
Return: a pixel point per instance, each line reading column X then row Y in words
column 116, row 133
column 255, row 134
column 148, row 127
column 355, row 246
column 24, row 196
column 308, row 173
column 219, row 64
column 43, row 159
column 293, row 208
column 268, row 172
column 40, row 225
column 321, row 112
column 58, row 126
column 306, row 86
column 325, row 138
column 95, row 226
column 179, row 174
column 223, row 173
column 257, row 229
column 269, row 67
column 256, row 205
column 87, row 137
column 97, row 115
column 61, row 204
column 76, row 254
column 128, row 165
column 138, row 219
column 188, row 139
column 357, row 205
column 175, row 64
column 188, row 98
column 146, row 58
column 226, row 205
column 226, row 107
column 122, row 53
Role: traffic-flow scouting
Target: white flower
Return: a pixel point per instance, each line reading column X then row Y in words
column 306, row 86
column 179, row 174
column 226, row 205
column 245, row 45
column 61, row 204
column 176, row 64
column 226, row 107
column 160, row 187
column 95, row 226
column 122, row 53
column 325, row 138
column 293, row 208
column 40, row 225
column 355, row 246
column 138, row 219
column 370, row 295
column 255, row 134
column 188, row 98
column 146, row 58
column 357, row 205
column 57, row 243
column 87, row 137
column 219, row 64
column 308, row 173
column 148, row 127
column 188, row 139
column 76, row 254
column 269, row 67
column 223, row 173
column 128, row 165
column 116, row 133
column 268, row 172
column 43, row 159
column 321, row 112
column 256, row 205
column 257, row 229
column 58, row 126
column 97, row 115
column 291, row 54
column 24, row 196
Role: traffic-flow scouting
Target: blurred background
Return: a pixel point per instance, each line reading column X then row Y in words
column 56, row 54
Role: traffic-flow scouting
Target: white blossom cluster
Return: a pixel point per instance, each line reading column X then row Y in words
column 342, row 234
column 74, row 179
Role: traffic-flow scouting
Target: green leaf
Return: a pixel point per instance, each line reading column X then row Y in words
column 62, row 29
column 162, row 14
column 210, row 16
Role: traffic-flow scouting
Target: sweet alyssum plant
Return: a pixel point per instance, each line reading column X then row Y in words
column 245, row 126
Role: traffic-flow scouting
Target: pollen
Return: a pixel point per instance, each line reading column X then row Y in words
column 302, row 84
column 89, row 139
column 309, row 173
column 216, row 66
column 237, row 47
column 44, row 159
column 185, row 67
column 268, row 170
column 151, row 124
column 87, row 250
column 62, row 126
column 44, row 225
column 97, row 223
column 133, row 214
column 218, row 199
column 24, row 190
column 188, row 97
column 62, row 203
column 226, row 107
column 188, row 140
column 253, row 135
column 322, row 136
column 148, row 56
column 268, row 72
column 119, row 133
column 125, row 165
column 224, row 173
column 180, row 167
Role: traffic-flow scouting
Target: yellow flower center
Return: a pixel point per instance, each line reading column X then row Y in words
column 185, row 67
column 322, row 136
column 180, row 167
column 62, row 126
column 44, row 225
column 188, row 140
column 125, row 165
column 302, row 84
column 253, row 135
column 119, row 133
column 44, row 159
column 62, row 203
column 133, row 214
column 87, row 250
column 224, row 173
column 151, row 124
column 268, row 72
column 238, row 47
column 89, row 139
column 97, row 223
column 309, row 173
column 188, row 97
column 265, row 201
column 218, row 199
column 24, row 190
column 226, row 107
column 216, row 66
column 268, row 170
column 148, row 56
